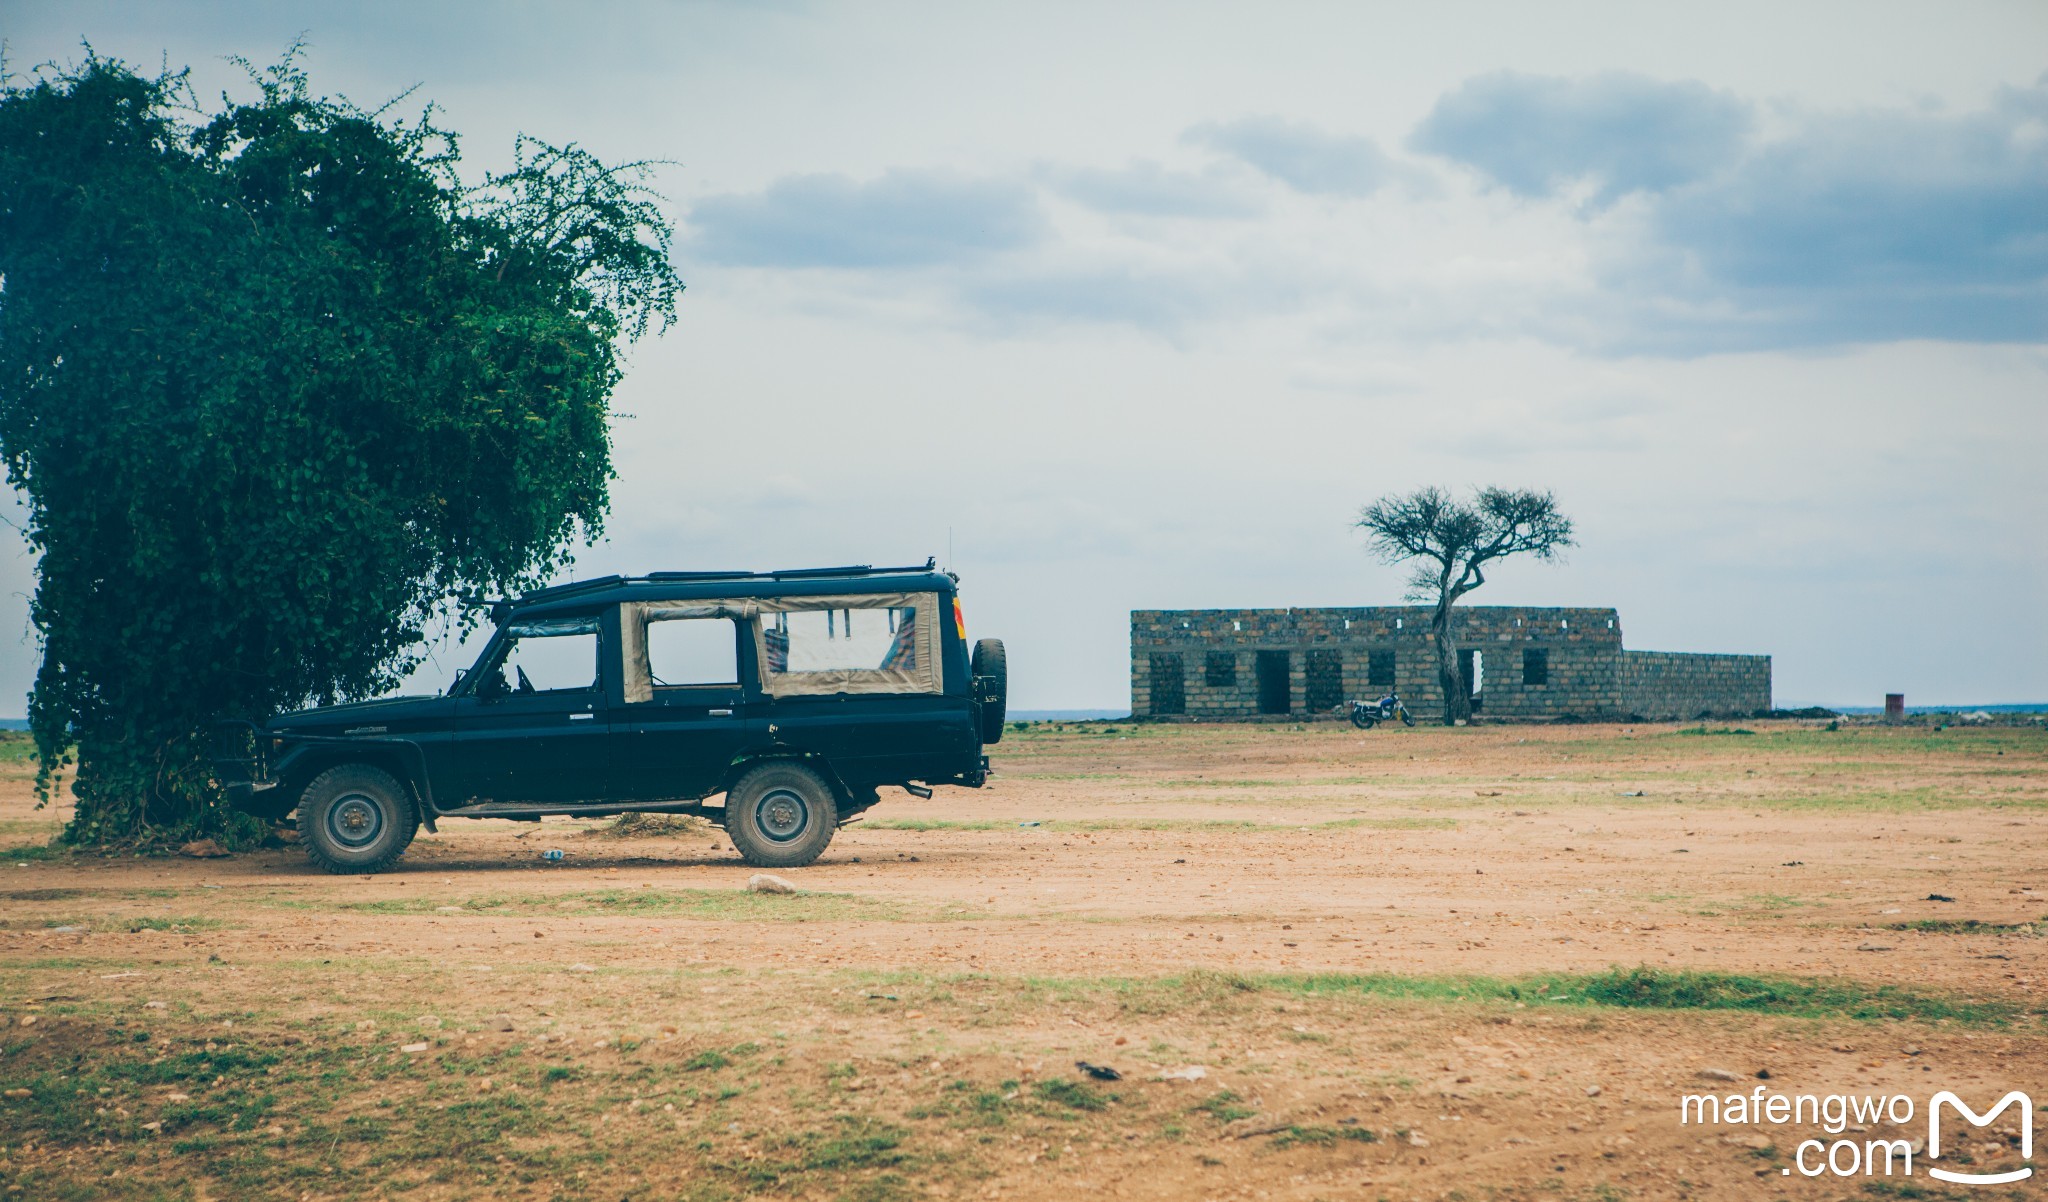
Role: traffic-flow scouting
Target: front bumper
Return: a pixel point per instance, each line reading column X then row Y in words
column 242, row 765
column 250, row 796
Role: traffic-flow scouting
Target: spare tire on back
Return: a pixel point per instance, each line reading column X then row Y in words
column 991, row 687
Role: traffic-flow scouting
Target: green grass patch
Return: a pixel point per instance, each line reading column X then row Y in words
column 1074, row 1095
column 1224, row 1106
column 731, row 905
column 17, row 747
column 1776, row 901
column 1656, row 989
column 1084, row 825
column 1635, row 989
column 1968, row 926
column 934, row 824
column 180, row 923
column 1323, row 1137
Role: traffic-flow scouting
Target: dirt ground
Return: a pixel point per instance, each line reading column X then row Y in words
column 1328, row 964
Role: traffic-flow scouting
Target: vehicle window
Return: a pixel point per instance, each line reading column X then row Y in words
column 549, row 662
column 693, row 651
column 835, row 640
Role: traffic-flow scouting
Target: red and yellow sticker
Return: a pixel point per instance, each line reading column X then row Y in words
column 959, row 620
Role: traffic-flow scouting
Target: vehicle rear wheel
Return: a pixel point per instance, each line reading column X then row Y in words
column 1364, row 719
column 991, row 669
column 356, row 818
column 781, row 815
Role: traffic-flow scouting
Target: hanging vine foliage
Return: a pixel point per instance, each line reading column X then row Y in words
column 276, row 385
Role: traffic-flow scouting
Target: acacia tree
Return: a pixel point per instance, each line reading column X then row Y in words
column 276, row 386
column 1452, row 542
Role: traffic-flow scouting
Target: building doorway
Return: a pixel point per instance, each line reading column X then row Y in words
column 1169, row 683
column 1274, row 670
column 1472, row 667
column 1323, row 682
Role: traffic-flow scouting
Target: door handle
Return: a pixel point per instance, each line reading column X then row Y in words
column 721, row 713
column 582, row 717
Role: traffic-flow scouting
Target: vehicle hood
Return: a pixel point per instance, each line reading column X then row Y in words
column 384, row 711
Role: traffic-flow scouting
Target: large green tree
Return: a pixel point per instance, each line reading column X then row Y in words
column 276, row 386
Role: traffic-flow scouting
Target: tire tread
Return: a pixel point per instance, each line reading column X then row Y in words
column 760, row 853
column 408, row 825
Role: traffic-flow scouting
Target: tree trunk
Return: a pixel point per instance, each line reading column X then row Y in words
column 1457, row 702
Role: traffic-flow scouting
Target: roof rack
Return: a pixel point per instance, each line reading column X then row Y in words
column 699, row 576
column 858, row 569
column 556, row 592
column 570, row 589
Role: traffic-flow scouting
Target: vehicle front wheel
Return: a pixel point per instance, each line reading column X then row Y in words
column 356, row 818
column 780, row 815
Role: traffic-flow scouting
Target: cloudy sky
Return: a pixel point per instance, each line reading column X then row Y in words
column 1134, row 305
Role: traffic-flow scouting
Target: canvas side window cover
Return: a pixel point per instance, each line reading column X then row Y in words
column 638, row 618
column 860, row 643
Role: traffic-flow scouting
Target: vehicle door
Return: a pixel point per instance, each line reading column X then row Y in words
column 538, row 730
column 677, row 742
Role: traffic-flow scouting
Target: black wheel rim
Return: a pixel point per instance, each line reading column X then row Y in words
column 784, row 816
column 355, row 820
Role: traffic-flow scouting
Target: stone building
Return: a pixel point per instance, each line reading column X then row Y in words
column 1237, row 664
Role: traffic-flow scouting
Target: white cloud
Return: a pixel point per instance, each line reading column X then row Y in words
column 904, row 218
column 1300, row 155
column 1621, row 132
column 1144, row 188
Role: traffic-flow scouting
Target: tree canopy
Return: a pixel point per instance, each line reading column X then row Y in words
column 277, row 385
column 1451, row 541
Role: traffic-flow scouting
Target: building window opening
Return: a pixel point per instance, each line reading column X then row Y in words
column 1379, row 669
column 1536, row 666
column 1219, row 670
column 1169, row 683
column 1323, row 685
column 1274, row 670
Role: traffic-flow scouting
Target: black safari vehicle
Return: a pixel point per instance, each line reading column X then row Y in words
column 795, row 694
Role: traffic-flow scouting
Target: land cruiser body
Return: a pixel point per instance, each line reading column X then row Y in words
column 795, row 695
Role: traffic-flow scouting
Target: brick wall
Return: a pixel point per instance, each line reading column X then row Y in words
column 1247, row 664
column 1673, row 684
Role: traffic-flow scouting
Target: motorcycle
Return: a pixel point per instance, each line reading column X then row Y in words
column 1367, row 714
